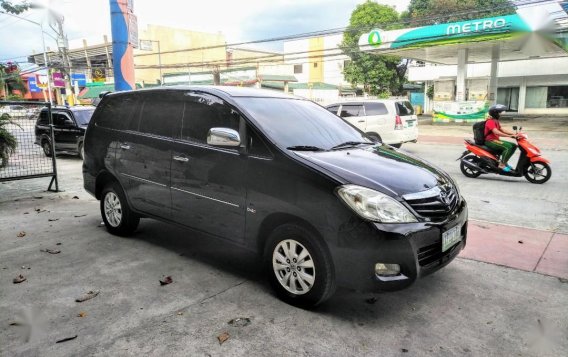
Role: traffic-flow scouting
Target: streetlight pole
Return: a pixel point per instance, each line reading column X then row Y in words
column 160, row 64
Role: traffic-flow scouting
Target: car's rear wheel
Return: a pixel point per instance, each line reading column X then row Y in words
column 299, row 266
column 119, row 219
column 81, row 151
column 375, row 137
column 46, row 146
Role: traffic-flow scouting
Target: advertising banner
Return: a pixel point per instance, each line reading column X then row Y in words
column 58, row 80
column 32, row 85
column 79, row 79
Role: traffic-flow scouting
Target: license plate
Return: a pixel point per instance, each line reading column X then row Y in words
column 450, row 238
column 410, row 123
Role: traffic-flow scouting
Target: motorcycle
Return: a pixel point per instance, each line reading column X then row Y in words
column 479, row 159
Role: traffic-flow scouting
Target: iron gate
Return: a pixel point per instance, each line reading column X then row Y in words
column 21, row 155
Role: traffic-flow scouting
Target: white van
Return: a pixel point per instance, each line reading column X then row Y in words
column 391, row 121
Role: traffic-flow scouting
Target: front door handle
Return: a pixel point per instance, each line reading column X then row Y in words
column 361, row 121
column 181, row 158
column 125, row 146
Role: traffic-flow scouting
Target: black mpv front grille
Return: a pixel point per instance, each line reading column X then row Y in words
column 431, row 255
column 442, row 203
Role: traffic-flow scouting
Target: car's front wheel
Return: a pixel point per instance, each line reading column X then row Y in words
column 119, row 219
column 299, row 266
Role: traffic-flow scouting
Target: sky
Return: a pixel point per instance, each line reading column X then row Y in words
column 238, row 20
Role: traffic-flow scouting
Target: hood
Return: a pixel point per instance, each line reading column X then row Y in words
column 381, row 168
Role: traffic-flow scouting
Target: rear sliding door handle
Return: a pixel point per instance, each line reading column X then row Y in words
column 125, row 146
column 361, row 121
column 181, row 158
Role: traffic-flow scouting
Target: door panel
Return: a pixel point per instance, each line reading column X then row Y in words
column 208, row 190
column 143, row 159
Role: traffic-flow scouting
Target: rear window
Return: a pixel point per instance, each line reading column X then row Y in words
column 333, row 109
column 83, row 116
column 115, row 112
column 352, row 111
column 404, row 108
column 376, row 109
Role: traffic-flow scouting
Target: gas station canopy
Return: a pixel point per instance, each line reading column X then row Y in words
column 528, row 34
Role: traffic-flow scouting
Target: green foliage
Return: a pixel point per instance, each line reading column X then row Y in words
column 379, row 75
column 13, row 81
column 427, row 12
column 8, row 142
column 16, row 9
column 430, row 92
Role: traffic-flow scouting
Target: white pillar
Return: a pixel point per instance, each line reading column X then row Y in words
column 462, row 75
column 522, row 95
column 495, row 54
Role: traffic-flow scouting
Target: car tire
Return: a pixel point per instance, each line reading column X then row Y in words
column 375, row 137
column 117, row 215
column 81, row 151
column 46, row 146
column 304, row 283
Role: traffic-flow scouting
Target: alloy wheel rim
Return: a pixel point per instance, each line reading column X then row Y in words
column 294, row 267
column 536, row 173
column 113, row 209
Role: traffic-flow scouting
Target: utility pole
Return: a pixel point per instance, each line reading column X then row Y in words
column 62, row 44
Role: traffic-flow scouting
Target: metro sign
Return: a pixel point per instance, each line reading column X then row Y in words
column 476, row 26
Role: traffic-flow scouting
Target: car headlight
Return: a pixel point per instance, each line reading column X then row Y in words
column 375, row 206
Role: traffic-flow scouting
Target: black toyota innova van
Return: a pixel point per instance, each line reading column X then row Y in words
column 278, row 175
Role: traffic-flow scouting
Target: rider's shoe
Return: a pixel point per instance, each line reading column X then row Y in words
column 507, row 169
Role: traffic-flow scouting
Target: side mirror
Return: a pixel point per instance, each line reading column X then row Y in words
column 514, row 127
column 68, row 122
column 520, row 128
column 223, row 137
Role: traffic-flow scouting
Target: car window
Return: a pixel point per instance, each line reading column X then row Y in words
column 292, row 122
column 203, row 112
column 352, row 111
column 333, row 109
column 257, row 146
column 404, row 108
column 115, row 112
column 59, row 119
column 373, row 108
column 160, row 115
column 43, row 118
column 83, row 116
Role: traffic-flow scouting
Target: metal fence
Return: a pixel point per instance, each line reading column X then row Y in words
column 21, row 155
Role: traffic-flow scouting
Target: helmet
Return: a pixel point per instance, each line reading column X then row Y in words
column 496, row 110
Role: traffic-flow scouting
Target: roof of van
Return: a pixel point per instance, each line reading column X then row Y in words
column 226, row 90
column 361, row 101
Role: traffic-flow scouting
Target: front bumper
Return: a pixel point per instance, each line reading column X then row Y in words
column 416, row 247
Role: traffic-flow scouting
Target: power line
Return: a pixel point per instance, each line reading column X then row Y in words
column 342, row 29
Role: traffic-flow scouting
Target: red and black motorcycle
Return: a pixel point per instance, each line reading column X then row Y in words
column 479, row 159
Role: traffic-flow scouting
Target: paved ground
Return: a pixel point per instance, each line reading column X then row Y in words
column 468, row 308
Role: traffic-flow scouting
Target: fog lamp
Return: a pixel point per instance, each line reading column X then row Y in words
column 382, row 269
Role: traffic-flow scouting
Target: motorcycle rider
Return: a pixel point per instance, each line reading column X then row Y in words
column 493, row 131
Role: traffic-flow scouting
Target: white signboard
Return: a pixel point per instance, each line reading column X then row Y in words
column 133, row 30
column 146, row 45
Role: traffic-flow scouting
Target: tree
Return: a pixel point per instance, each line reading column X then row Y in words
column 10, row 79
column 16, row 9
column 379, row 75
column 427, row 12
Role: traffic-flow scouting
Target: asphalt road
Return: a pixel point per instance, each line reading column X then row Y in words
column 468, row 308
column 503, row 199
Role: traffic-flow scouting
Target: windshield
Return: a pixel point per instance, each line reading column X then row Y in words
column 83, row 116
column 291, row 123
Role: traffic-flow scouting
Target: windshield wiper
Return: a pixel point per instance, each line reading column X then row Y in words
column 350, row 144
column 305, row 148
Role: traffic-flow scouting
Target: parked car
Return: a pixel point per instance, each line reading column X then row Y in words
column 16, row 111
column 278, row 175
column 69, row 125
column 392, row 122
